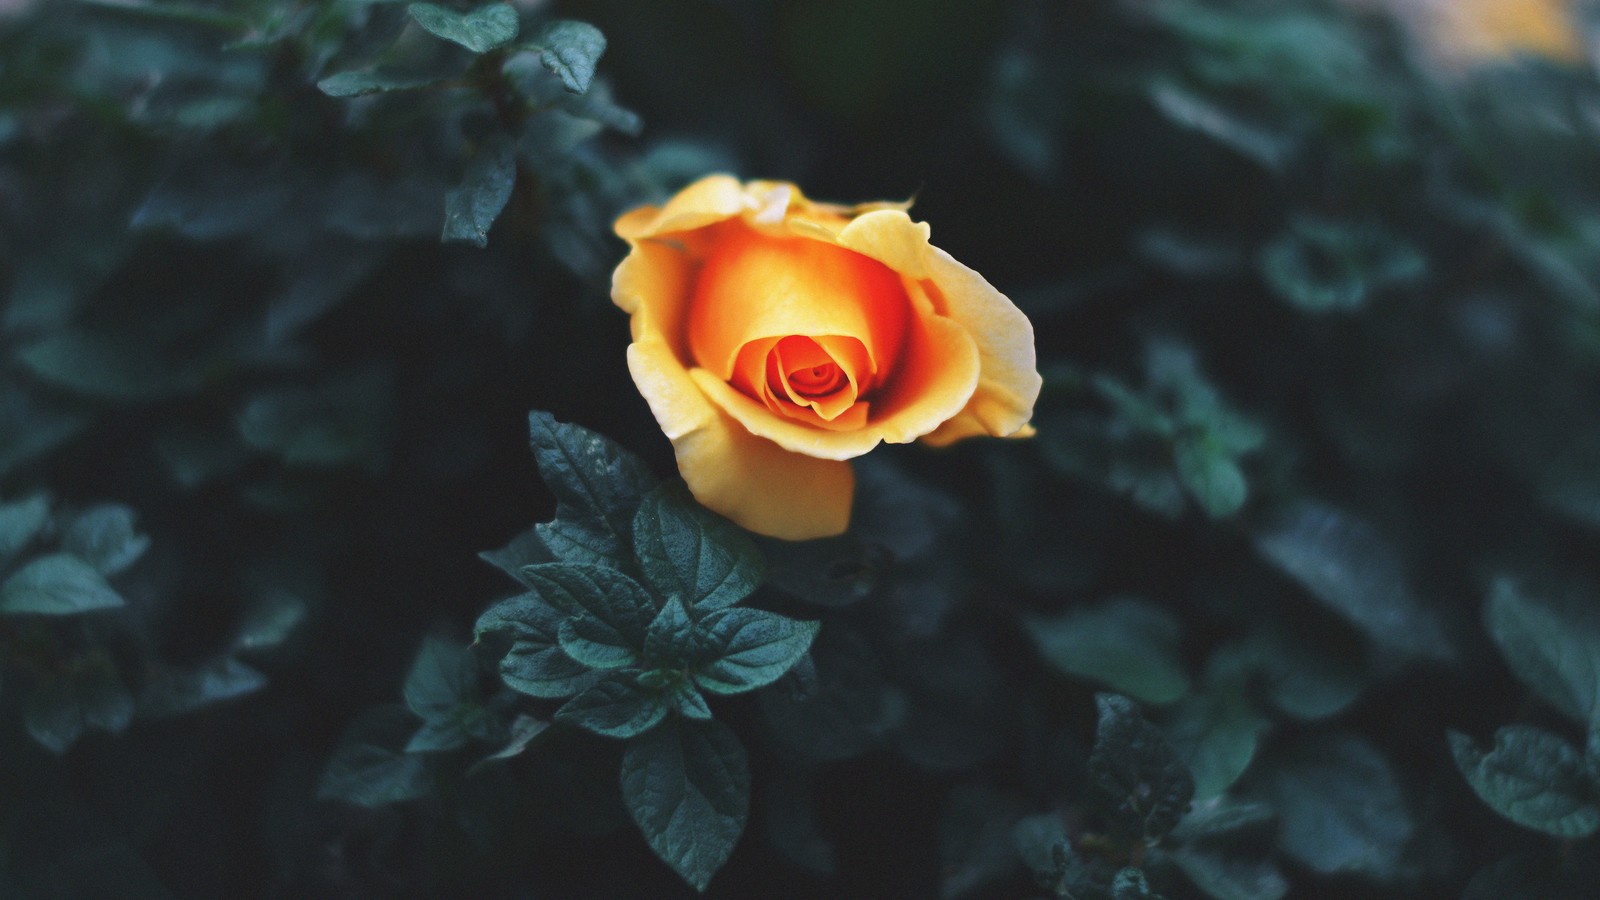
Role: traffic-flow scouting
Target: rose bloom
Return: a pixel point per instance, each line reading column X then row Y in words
column 775, row 338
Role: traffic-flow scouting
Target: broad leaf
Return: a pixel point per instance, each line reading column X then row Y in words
column 615, row 706
column 368, row 768
column 754, row 647
column 471, row 208
column 1127, row 644
column 570, row 50
column 104, row 537
column 1215, row 734
column 480, row 30
column 20, row 522
column 360, row 84
column 171, row 691
column 535, row 664
column 687, row 785
column 443, row 676
column 611, row 607
column 59, row 584
column 1341, row 809
column 87, row 695
column 597, row 486
column 688, row 551
column 1555, row 650
column 1533, row 778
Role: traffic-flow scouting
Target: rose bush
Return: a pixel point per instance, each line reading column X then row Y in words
column 775, row 338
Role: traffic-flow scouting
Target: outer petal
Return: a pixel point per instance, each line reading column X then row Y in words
column 711, row 199
column 752, row 481
column 1009, row 382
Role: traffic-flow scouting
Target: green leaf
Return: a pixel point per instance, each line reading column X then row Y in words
column 688, row 551
column 1212, row 476
column 535, row 664
column 686, row 700
column 59, row 584
column 171, row 691
column 526, row 549
column 1041, row 842
column 20, row 522
column 121, row 367
column 1303, row 676
column 1555, row 650
column 1226, row 877
column 1135, row 776
column 1216, row 734
column 755, row 648
column 570, row 50
column 687, row 785
column 480, row 30
column 1222, row 816
column 1127, row 644
column 104, row 538
column 1350, row 568
column 443, row 676
column 1533, row 778
column 1322, row 266
column 615, row 706
column 360, row 84
column 608, row 608
column 471, row 208
column 367, row 767
column 597, row 486
column 1341, row 810
column 87, row 695
column 336, row 423
column 674, row 639
column 523, row 730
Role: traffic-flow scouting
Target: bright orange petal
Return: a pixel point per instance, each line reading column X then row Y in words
column 752, row 481
column 711, row 199
column 935, row 380
column 850, row 439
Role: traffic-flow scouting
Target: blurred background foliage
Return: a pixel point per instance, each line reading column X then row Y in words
column 1296, row 593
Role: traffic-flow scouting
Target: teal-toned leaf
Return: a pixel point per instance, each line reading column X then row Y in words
column 270, row 620
column 1555, row 650
column 443, row 676
column 1127, row 644
column 688, row 551
column 834, row 704
column 1130, row 884
column 596, row 644
column 1320, row 266
column 523, row 730
column 195, row 455
column 1188, row 109
column 337, row 423
column 1223, row 816
column 1303, row 677
column 480, row 30
column 1350, row 568
column 20, row 522
column 1223, row 876
column 615, row 706
column 535, row 664
column 687, row 785
column 59, row 584
column 360, row 84
column 597, row 485
column 570, row 50
column 88, row 695
column 674, row 639
column 607, row 606
column 120, row 368
column 1042, row 844
column 975, row 846
column 438, row 736
column 1533, row 778
column 1135, row 776
column 686, row 700
column 104, row 537
column 754, row 647
column 1212, row 475
column 1216, row 734
column 526, row 549
column 368, row 768
column 471, row 208
column 1340, row 807
column 31, row 427
column 172, row 691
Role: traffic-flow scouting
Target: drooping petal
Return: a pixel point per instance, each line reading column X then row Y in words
column 711, row 199
column 752, row 481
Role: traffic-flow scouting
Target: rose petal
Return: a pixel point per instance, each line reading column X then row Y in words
column 752, row 481
column 1003, row 401
column 653, row 283
column 756, row 286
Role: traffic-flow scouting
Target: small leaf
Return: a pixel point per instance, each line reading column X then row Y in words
column 755, row 648
column 524, row 729
column 121, row 367
column 614, row 608
column 675, row 640
column 104, row 537
column 471, row 207
column 20, row 522
column 443, row 676
column 480, row 30
column 687, row 785
column 57, row 585
column 1041, row 842
column 172, row 691
column 367, row 767
column 1216, row 734
column 1533, row 778
column 1226, row 877
column 1554, row 650
column 1351, row 569
column 1130, row 884
column 595, row 644
column 88, row 695
column 1135, row 775
column 570, row 50
column 615, row 706
column 535, row 663
column 360, row 84
column 597, row 486
column 1128, row 644
column 686, row 700
column 686, row 550
column 1340, row 807
column 1212, row 476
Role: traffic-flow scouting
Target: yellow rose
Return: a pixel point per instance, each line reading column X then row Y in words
column 775, row 338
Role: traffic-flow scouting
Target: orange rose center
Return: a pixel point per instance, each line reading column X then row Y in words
column 806, row 327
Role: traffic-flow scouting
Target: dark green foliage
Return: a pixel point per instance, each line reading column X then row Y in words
column 1316, row 481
